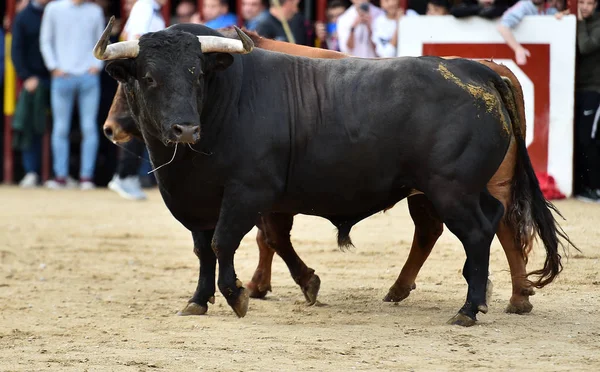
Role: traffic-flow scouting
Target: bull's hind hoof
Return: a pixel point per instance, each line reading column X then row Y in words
column 256, row 291
column 311, row 290
column 461, row 320
column 522, row 306
column 193, row 308
column 240, row 307
column 398, row 294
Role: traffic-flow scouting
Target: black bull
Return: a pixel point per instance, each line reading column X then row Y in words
column 342, row 139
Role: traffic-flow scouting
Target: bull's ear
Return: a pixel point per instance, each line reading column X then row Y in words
column 121, row 70
column 218, row 61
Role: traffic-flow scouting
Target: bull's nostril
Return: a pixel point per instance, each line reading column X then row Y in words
column 108, row 132
column 177, row 130
column 197, row 130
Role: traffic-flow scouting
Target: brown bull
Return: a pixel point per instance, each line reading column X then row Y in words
column 274, row 229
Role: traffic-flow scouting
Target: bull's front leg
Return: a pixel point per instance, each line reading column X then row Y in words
column 239, row 212
column 205, row 290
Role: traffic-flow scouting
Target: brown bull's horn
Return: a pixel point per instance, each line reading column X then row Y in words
column 220, row 44
column 124, row 49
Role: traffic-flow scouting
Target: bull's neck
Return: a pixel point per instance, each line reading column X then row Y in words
column 220, row 105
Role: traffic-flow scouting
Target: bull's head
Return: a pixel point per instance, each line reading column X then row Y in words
column 164, row 74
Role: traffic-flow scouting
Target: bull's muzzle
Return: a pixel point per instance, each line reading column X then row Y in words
column 185, row 133
column 114, row 132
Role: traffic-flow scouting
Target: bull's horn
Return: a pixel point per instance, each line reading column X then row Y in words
column 124, row 49
column 220, row 44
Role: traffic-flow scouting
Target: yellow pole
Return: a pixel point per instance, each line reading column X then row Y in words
column 10, row 78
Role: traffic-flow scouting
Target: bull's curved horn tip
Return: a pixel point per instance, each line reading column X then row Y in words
column 246, row 40
column 101, row 45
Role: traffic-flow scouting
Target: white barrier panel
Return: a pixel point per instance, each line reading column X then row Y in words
column 548, row 77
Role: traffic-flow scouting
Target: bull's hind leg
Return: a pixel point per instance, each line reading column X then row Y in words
column 428, row 228
column 261, row 280
column 473, row 219
column 274, row 236
column 205, row 290
column 521, row 288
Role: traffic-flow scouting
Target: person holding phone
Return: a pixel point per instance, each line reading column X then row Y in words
column 355, row 29
column 327, row 33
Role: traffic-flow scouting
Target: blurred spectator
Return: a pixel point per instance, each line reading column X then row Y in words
column 253, row 11
column 69, row 32
column 355, row 27
column 385, row 29
column 328, row 33
column 127, row 5
column 29, row 122
column 438, row 7
column 513, row 17
column 587, row 93
column 185, row 10
column 145, row 17
column 216, row 14
column 489, row 9
column 272, row 28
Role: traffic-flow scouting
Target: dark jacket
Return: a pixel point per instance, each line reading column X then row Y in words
column 588, row 54
column 26, row 54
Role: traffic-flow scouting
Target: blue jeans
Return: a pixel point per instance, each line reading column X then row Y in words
column 32, row 156
column 64, row 90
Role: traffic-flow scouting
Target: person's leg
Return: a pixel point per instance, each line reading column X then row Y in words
column 31, row 162
column 586, row 152
column 89, row 102
column 61, row 100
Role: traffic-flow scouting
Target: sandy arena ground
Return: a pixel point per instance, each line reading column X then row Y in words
column 91, row 282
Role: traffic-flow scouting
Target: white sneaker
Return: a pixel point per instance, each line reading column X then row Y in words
column 128, row 187
column 29, row 181
column 87, row 185
column 56, row 185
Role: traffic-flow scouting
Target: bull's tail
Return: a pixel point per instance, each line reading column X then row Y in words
column 529, row 213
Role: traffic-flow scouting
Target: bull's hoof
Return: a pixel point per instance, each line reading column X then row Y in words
column 257, row 291
column 193, row 308
column 519, row 306
column 461, row 319
column 240, row 307
column 311, row 290
column 398, row 294
column 482, row 309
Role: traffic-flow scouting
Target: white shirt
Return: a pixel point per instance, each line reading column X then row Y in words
column 362, row 42
column 383, row 31
column 144, row 17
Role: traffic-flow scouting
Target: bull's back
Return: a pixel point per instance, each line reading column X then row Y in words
column 383, row 125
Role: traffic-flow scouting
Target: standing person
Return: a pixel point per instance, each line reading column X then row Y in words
column 271, row 25
column 385, row 29
column 32, row 107
column 355, row 29
column 215, row 14
column 145, row 17
column 587, row 100
column 69, row 32
column 253, row 11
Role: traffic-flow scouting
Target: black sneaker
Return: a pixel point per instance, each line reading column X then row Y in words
column 589, row 195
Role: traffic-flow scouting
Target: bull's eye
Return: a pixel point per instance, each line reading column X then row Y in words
column 149, row 80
